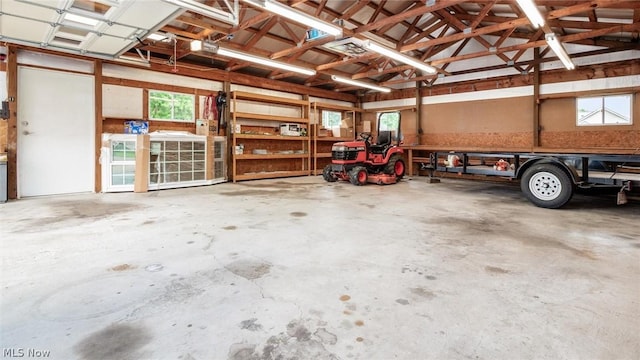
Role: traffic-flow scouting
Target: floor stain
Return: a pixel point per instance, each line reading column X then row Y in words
column 210, row 243
column 496, row 270
column 117, row 341
column 359, row 323
column 402, row 301
column 123, row 267
column 430, row 277
column 359, row 339
column 298, row 214
column 250, row 324
column 296, row 343
column 148, row 222
column 253, row 192
column 422, row 292
column 345, row 298
column 249, row 269
column 230, row 227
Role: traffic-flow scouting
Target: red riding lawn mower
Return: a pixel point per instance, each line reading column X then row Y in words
column 361, row 162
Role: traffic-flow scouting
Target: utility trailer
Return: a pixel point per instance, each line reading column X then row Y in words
column 548, row 180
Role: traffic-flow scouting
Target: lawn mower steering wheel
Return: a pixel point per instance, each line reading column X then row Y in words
column 365, row 136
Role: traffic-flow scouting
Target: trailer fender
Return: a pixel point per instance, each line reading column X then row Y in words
column 570, row 170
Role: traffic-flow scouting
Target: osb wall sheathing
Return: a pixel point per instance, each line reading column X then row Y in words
column 495, row 123
column 559, row 128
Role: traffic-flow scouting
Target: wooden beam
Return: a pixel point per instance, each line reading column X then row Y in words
column 97, row 75
column 12, row 128
column 536, row 98
column 406, row 15
column 582, row 7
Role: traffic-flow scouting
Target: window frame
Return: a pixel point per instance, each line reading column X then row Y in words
column 173, row 94
column 602, row 98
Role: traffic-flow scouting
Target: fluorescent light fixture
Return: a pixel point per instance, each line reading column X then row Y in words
column 396, row 55
column 157, row 37
column 205, row 10
column 80, row 19
column 197, row 45
column 557, row 48
column 531, row 10
column 360, row 84
column 297, row 16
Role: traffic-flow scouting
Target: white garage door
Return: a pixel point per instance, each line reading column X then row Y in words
column 55, row 132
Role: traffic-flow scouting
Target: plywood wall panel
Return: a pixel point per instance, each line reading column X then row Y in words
column 116, row 126
column 496, row 140
column 513, row 115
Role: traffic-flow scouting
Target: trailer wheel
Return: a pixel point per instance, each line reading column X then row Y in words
column 358, row 175
column 547, row 186
column 395, row 166
column 327, row 174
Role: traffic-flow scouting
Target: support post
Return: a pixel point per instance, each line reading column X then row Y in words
column 536, row 98
column 12, row 130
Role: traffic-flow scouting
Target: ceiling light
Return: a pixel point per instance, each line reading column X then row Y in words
column 157, row 37
column 360, row 84
column 198, row 45
column 531, row 10
column 396, row 55
column 205, row 10
column 80, row 19
column 297, row 16
column 557, row 48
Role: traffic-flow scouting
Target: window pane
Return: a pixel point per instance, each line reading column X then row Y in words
column 617, row 109
column 604, row 110
column 171, row 106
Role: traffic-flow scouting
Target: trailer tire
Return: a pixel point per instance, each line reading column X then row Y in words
column 327, row 174
column 358, row 175
column 547, row 186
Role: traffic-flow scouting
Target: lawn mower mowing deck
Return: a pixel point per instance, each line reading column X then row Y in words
column 361, row 162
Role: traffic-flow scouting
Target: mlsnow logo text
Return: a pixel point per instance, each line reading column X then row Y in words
column 25, row 352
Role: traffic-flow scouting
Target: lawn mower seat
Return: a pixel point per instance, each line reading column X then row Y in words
column 384, row 140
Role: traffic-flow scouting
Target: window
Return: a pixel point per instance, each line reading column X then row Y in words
column 331, row 119
column 169, row 106
column 123, row 162
column 604, row 110
column 389, row 121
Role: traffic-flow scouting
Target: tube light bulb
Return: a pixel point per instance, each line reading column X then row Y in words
column 360, row 84
column 557, row 48
column 531, row 10
column 396, row 55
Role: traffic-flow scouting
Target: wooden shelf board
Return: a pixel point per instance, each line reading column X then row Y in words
column 323, row 155
column 335, row 139
column 269, row 137
column 329, row 106
column 269, row 175
column 269, row 156
column 265, row 117
column 267, row 98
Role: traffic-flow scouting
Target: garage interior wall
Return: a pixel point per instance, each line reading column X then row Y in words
column 4, row 124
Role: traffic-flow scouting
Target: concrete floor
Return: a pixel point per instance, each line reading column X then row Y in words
column 301, row 269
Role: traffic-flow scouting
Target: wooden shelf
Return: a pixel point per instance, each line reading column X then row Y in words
column 270, row 175
column 241, row 95
column 265, row 117
column 323, row 155
column 329, row 106
column 249, row 166
column 270, row 156
column 269, row 137
column 334, row 139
